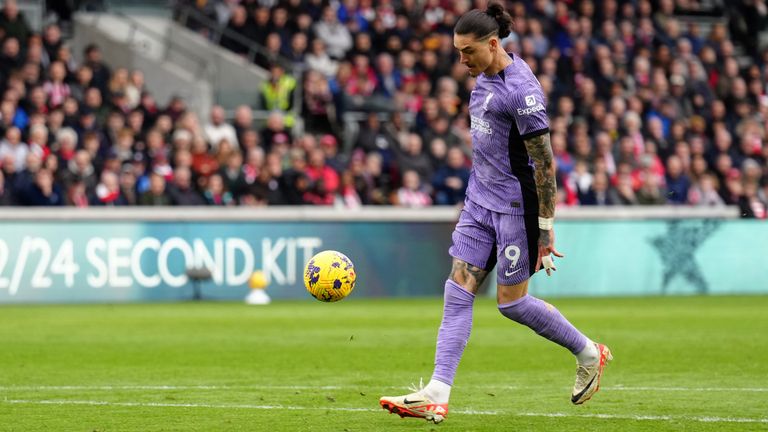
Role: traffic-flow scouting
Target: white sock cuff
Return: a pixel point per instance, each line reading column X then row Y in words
column 438, row 391
column 589, row 354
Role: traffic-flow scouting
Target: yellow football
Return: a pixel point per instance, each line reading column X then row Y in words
column 329, row 276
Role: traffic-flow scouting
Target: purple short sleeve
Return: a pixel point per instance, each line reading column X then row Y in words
column 529, row 109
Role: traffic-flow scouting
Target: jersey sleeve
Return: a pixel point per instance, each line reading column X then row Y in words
column 529, row 109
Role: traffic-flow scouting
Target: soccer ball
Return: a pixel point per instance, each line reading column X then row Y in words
column 329, row 276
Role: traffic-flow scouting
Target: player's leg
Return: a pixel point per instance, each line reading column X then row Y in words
column 517, row 262
column 474, row 255
column 472, row 242
column 431, row 401
column 460, row 289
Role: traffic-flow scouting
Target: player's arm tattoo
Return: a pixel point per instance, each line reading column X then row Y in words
column 540, row 150
column 467, row 275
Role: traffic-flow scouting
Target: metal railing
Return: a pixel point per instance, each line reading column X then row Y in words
column 153, row 7
column 190, row 17
column 34, row 11
column 203, row 68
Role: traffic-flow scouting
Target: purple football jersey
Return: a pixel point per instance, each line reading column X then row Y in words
column 504, row 110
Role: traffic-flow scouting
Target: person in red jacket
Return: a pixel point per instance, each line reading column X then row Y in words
column 324, row 180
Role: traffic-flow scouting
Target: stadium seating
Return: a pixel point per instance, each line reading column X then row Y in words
column 650, row 103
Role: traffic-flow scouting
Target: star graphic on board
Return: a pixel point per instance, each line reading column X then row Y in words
column 677, row 247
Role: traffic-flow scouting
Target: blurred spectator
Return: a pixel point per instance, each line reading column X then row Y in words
column 80, row 169
column 77, row 196
column 277, row 93
column 295, row 181
column 318, row 109
column 362, row 81
column 625, row 189
column 44, row 191
column 13, row 23
column 413, row 158
column 703, row 192
column 259, row 24
column 108, row 192
column 233, row 175
column 374, row 137
column 450, row 181
column 253, row 166
column 243, row 123
column 750, row 203
column 580, row 181
column 348, row 195
column 600, row 192
column 319, row 60
column 56, row 90
column 203, row 162
column 412, row 193
column 128, row 184
column 298, row 49
column 271, row 183
column 334, row 34
column 12, row 146
column 22, row 179
column 11, row 57
column 651, row 192
column 181, row 190
column 134, row 89
column 100, row 71
column 237, row 26
column 275, row 132
column 156, row 195
column 388, row 79
column 323, row 180
column 6, row 195
column 216, row 193
column 218, row 129
column 677, row 181
column 272, row 51
column 175, row 109
column 330, row 148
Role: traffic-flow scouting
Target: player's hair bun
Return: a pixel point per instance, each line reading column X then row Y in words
column 502, row 17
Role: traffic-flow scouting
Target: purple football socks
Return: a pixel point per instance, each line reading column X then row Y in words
column 546, row 320
column 454, row 331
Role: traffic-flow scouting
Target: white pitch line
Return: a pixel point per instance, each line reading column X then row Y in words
column 686, row 389
column 707, row 419
column 175, row 405
column 199, row 405
column 167, row 387
column 352, row 387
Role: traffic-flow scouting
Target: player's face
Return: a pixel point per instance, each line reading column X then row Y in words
column 476, row 54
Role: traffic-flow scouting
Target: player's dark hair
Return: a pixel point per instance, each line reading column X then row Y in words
column 494, row 20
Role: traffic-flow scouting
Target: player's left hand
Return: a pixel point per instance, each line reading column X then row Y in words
column 546, row 249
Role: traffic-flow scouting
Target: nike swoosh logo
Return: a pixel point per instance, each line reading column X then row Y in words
column 407, row 402
column 581, row 393
column 510, row 273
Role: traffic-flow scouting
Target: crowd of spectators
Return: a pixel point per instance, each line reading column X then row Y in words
column 645, row 108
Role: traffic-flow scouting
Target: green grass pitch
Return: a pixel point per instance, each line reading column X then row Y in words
column 681, row 364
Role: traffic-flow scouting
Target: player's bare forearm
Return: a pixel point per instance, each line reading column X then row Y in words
column 540, row 150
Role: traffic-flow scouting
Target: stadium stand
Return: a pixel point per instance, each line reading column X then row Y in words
column 651, row 103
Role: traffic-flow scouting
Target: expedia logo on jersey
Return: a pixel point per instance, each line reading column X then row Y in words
column 532, row 106
column 480, row 125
